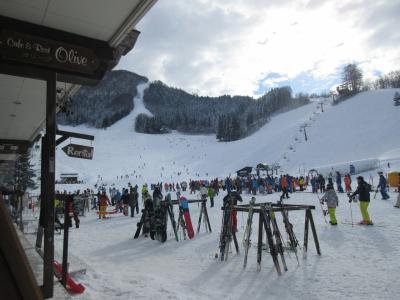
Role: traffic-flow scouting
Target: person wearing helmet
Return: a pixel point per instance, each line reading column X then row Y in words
column 332, row 201
column 364, row 199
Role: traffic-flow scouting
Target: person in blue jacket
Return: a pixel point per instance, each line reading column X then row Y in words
column 339, row 182
column 382, row 185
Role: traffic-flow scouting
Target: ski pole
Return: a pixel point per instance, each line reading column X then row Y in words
column 351, row 215
column 376, row 191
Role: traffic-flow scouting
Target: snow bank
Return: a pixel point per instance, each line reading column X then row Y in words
column 351, row 167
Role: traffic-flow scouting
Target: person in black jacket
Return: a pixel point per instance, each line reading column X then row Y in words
column 125, row 201
column 362, row 191
column 232, row 199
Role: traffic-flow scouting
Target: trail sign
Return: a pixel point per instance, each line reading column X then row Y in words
column 78, row 151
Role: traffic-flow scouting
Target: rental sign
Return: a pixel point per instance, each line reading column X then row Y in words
column 78, row 151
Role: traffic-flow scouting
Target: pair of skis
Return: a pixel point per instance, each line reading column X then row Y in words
column 227, row 232
column 248, row 230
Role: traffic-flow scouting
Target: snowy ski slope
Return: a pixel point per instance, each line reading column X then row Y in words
column 363, row 127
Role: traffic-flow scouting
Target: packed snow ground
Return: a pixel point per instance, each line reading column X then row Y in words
column 357, row 262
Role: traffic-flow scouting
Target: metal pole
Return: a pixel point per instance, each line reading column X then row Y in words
column 48, row 178
column 65, row 243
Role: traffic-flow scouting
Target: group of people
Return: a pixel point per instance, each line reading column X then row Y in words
column 127, row 199
column 361, row 195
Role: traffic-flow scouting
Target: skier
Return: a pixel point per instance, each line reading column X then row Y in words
column 125, row 201
column 133, row 199
column 321, row 183
column 145, row 192
column 211, row 194
column 347, row 183
column 103, row 202
column 232, row 198
column 332, row 202
column 72, row 211
column 339, row 182
column 284, row 186
column 382, row 185
column 364, row 199
column 301, row 183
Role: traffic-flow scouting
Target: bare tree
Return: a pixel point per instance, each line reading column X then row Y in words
column 352, row 77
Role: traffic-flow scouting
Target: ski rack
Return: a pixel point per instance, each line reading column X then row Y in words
column 267, row 222
column 181, row 221
column 203, row 217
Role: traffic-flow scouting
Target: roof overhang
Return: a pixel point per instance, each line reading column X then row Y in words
column 97, row 32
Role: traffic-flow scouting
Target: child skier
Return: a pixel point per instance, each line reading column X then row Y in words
column 332, row 202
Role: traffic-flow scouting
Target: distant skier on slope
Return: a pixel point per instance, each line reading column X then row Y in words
column 332, row 202
column 382, row 185
column 364, row 199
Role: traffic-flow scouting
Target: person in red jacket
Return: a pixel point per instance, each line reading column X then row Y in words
column 347, row 183
column 103, row 203
column 72, row 212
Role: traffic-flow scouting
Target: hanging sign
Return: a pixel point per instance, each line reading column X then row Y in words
column 78, row 151
column 48, row 53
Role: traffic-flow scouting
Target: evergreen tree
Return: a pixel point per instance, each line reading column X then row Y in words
column 24, row 173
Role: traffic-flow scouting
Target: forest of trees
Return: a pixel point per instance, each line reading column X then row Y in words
column 389, row 81
column 229, row 117
column 102, row 105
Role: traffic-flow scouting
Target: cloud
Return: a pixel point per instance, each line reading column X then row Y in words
column 215, row 47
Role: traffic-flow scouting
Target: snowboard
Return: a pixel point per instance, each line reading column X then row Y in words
column 184, row 204
column 159, row 226
column 72, row 285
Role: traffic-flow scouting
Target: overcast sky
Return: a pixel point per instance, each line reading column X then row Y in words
column 246, row 47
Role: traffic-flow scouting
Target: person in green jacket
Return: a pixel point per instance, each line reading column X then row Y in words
column 211, row 194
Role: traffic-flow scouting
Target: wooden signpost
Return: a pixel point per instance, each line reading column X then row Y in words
column 78, row 151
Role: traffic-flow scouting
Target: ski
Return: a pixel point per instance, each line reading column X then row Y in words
column 289, row 230
column 226, row 231
column 277, row 235
column 247, row 232
column 272, row 247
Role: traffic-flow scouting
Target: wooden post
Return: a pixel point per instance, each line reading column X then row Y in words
column 306, row 221
column 65, row 244
column 48, row 181
column 201, row 214
column 314, row 232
